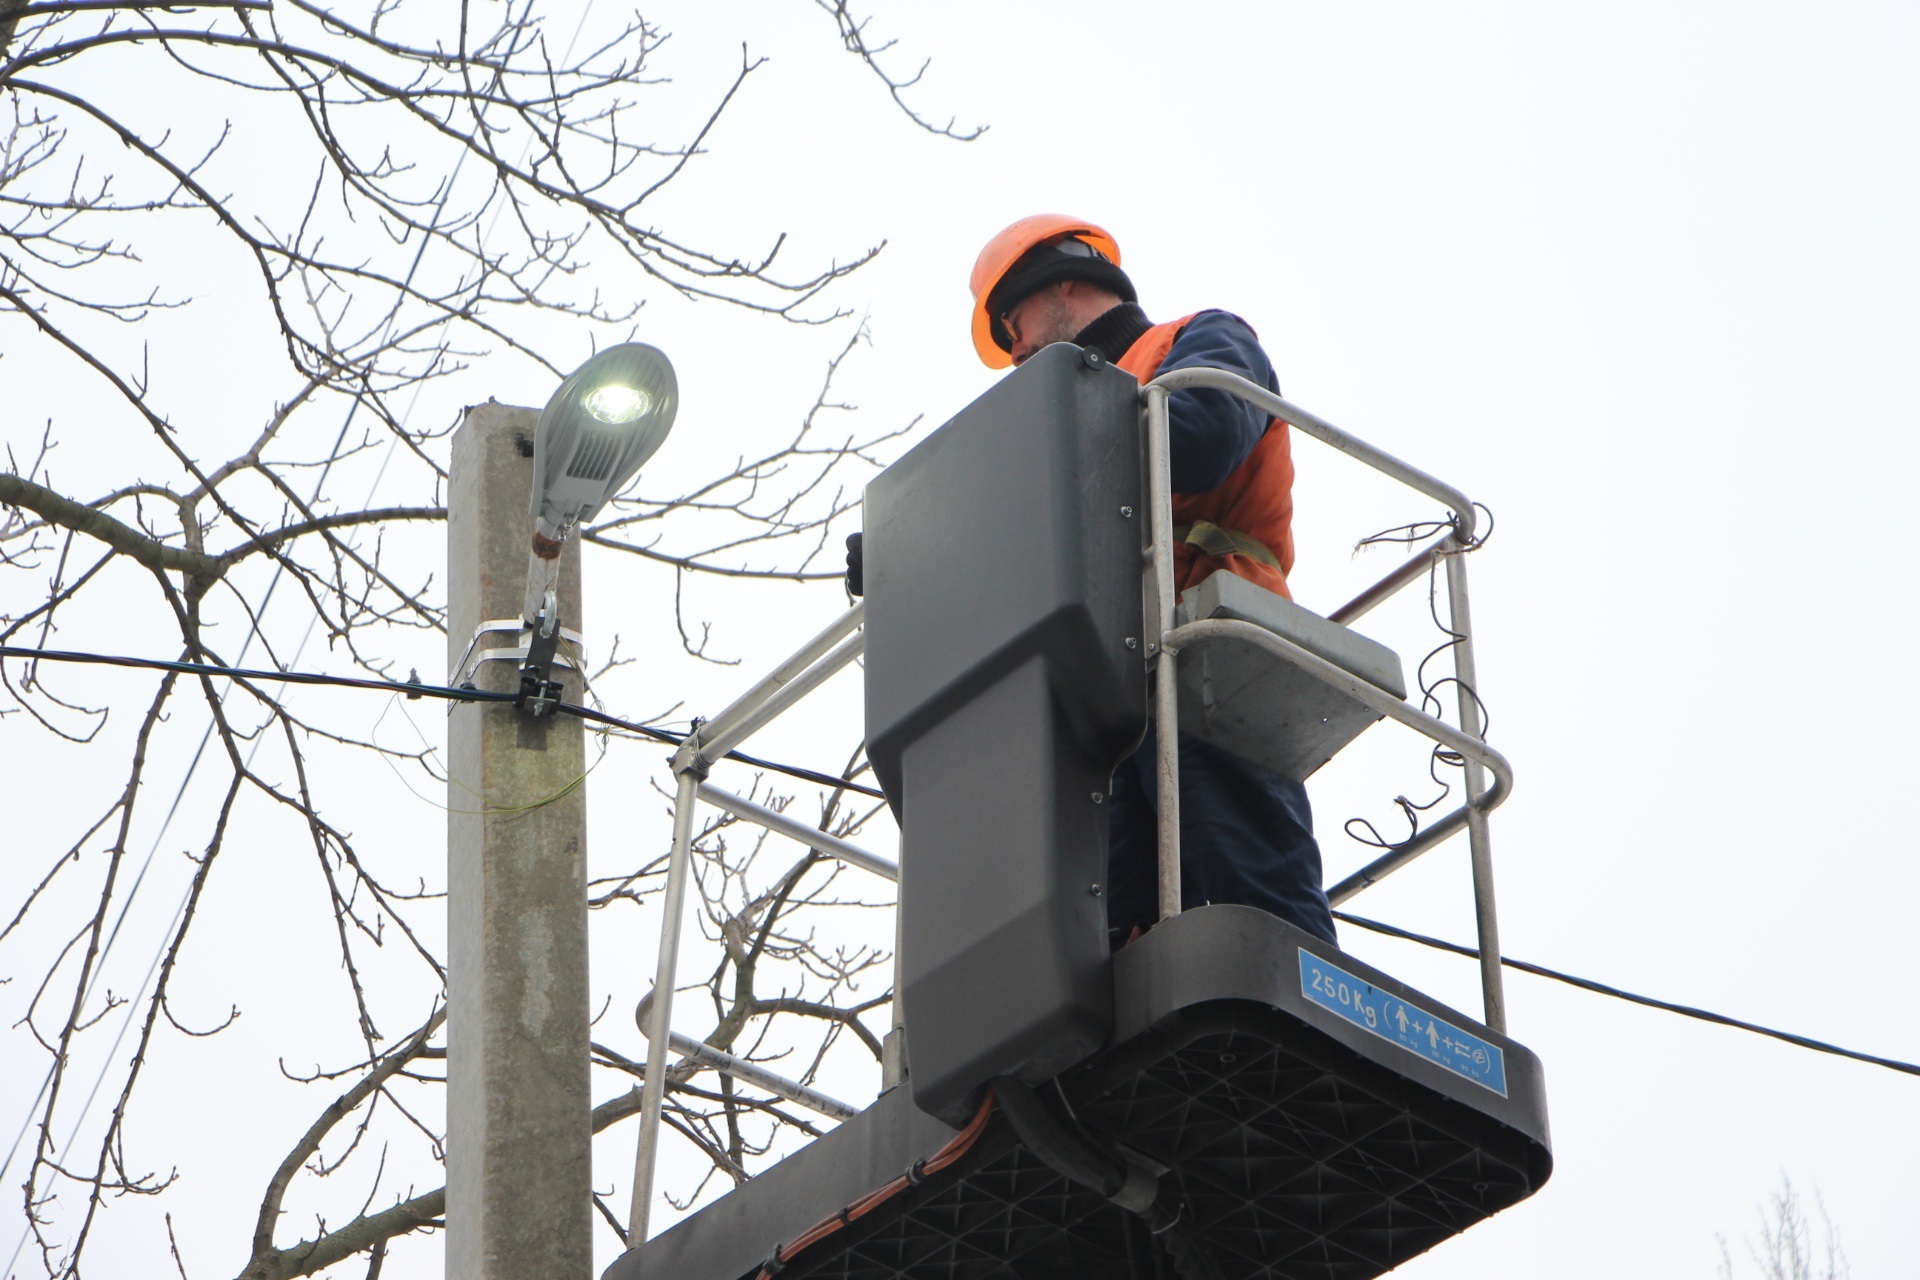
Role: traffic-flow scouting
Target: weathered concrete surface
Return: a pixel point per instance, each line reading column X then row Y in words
column 519, row 1161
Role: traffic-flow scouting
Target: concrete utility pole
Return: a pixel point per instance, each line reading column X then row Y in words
column 519, row 1139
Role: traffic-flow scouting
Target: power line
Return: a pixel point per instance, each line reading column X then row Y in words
column 416, row 689
column 1601, row 988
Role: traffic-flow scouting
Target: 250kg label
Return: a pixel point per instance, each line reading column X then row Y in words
column 1407, row 1025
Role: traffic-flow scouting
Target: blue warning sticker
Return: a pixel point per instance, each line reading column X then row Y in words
column 1409, row 1026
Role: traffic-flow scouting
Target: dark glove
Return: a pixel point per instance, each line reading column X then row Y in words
column 856, row 568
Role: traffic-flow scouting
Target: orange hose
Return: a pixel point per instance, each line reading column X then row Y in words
column 955, row 1148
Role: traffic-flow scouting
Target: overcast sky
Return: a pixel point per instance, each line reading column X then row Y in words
column 1644, row 279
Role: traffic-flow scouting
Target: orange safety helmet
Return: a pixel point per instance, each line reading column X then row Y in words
column 1006, row 249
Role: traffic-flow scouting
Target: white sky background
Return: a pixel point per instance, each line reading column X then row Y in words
column 1642, row 278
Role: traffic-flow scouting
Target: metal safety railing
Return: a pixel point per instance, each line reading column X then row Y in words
column 1466, row 741
column 842, row 641
column 811, row 666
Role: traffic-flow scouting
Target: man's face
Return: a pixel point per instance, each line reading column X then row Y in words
column 1038, row 320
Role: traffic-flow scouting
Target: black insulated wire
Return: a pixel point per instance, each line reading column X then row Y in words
column 417, row 689
column 412, row 689
column 1439, row 552
column 1601, row 988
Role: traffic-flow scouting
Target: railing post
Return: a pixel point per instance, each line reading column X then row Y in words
column 805, row 671
column 1462, row 536
column 1460, row 615
column 659, row 1031
column 1166, row 687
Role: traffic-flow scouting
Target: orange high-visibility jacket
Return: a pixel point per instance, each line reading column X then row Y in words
column 1255, row 501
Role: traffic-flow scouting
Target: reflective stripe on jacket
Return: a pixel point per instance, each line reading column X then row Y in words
column 1255, row 502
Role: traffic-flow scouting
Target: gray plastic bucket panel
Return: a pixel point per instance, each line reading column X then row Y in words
column 1002, row 560
column 1000, row 536
column 1306, row 1146
column 1243, row 699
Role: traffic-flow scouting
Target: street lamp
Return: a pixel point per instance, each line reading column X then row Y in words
column 607, row 418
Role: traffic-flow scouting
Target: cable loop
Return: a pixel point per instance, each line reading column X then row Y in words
column 1441, row 756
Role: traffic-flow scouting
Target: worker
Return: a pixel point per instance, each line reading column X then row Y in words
column 1246, row 833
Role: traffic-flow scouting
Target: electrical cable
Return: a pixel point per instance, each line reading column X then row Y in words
column 916, row 1173
column 562, row 792
column 1441, row 755
column 415, row 689
column 1601, row 988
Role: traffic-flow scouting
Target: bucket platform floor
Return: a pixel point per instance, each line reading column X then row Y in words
column 1321, row 1121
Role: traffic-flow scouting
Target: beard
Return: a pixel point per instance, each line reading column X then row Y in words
column 1050, row 319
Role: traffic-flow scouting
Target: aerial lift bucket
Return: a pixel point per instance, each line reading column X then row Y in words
column 1225, row 1097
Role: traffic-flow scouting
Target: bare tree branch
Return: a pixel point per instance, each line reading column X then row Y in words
column 853, row 34
column 453, row 195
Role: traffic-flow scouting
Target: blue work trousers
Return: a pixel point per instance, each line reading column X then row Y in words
column 1246, row 836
